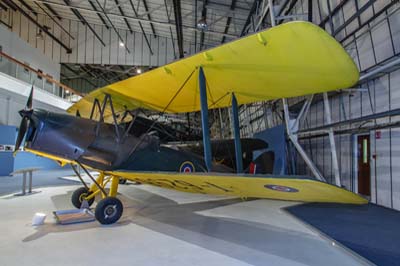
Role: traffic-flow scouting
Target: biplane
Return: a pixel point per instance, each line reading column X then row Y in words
column 292, row 59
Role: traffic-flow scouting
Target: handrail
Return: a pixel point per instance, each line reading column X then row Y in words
column 46, row 76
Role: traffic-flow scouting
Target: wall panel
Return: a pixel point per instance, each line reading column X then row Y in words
column 381, row 41
column 383, row 171
column 105, row 50
column 89, row 46
column 97, row 46
column 73, row 56
column 395, row 155
column 376, row 43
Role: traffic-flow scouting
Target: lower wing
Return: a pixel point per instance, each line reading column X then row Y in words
column 293, row 188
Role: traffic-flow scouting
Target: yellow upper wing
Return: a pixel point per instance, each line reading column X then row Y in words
column 292, row 59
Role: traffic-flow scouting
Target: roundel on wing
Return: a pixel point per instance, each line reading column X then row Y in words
column 281, row 188
column 186, row 167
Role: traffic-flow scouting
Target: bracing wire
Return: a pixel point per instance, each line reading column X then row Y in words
column 163, row 111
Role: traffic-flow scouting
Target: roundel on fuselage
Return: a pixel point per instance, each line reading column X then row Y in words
column 187, row 167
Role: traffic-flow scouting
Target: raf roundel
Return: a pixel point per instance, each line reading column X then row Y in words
column 186, row 167
column 281, row 188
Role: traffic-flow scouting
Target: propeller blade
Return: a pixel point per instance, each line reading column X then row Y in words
column 28, row 105
column 21, row 133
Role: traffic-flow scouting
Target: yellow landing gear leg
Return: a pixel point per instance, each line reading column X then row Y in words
column 100, row 180
column 109, row 209
column 114, row 186
column 87, row 193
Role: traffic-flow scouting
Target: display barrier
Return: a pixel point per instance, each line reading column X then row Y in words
column 24, row 72
column 7, row 140
column 25, row 172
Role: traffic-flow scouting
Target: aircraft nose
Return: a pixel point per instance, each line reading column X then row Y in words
column 27, row 113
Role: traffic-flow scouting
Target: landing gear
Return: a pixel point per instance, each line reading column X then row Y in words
column 79, row 195
column 108, row 210
column 122, row 181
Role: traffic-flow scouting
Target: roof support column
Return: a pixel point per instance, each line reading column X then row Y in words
column 294, row 140
column 332, row 140
column 204, row 119
column 236, row 132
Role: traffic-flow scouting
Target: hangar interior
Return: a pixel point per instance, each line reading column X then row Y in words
column 66, row 49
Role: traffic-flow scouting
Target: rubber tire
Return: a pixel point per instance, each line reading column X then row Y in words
column 122, row 181
column 76, row 197
column 101, row 207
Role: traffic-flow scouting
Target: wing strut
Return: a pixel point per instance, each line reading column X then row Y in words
column 163, row 111
column 236, row 130
column 204, row 119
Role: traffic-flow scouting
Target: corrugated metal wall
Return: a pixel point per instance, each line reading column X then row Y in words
column 371, row 42
column 87, row 49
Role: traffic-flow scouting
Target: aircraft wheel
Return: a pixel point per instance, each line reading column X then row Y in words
column 79, row 195
column 122, row 181
column 108, row 210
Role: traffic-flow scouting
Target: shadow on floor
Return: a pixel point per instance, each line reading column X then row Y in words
column 370, row 230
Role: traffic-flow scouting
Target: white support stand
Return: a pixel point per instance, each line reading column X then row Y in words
column 293, row 137
column 302, row 115
column 271, row 12
column 300, row 150
column 303, row 112
column 332, row 140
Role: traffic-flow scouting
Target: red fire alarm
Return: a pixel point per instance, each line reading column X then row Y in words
column 378, row 134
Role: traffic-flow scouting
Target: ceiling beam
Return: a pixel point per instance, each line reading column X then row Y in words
column 84, row 21
column 155, row 22
column 170, row 28
column 204, row 17
column 195, row 24
column 291, row 6
column 333, row 13
column 44, row 29
column 3, row 7
column 141, row 27
column 55, row 21
column 112, row 25
column 377, row 14
column 9, row 4
column 123, row 14
column 248, row 20
column 228, row 21
column 99, row 15
column 227, row 8
column 178, row 26
column 52, row 11
column 149, row 17
column 28, row 7
column 353, row 17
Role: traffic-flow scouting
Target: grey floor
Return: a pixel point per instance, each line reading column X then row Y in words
column 163, row 227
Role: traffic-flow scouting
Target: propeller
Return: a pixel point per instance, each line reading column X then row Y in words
column 26, row 117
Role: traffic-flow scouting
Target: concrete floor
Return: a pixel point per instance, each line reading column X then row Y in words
column 163, row 227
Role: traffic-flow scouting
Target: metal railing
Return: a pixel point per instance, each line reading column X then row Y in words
column 24, row 72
